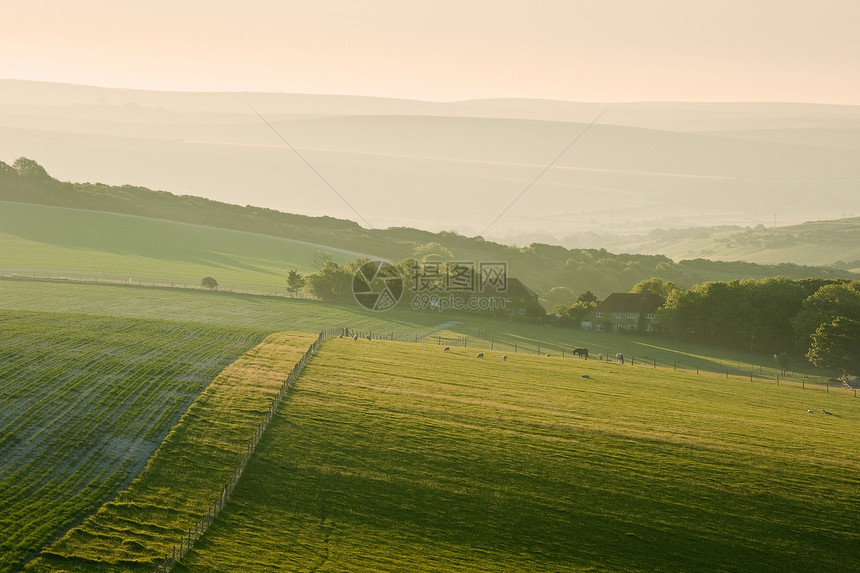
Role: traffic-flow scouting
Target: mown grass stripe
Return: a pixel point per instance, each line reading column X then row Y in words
column 76, row 403
column 187, row 472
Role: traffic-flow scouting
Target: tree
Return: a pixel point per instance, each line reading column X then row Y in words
column 655, row 285
column 209, row 282
column 837, row 345
column 321, row 257
column 433, row 251
column 560, row 295
column 29, row 168
column 587, row 297
column 295, row 281
column 332, row 283
column 826, row 304
column 577, row 311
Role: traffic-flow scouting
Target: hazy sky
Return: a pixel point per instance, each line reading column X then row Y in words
column 606, row 50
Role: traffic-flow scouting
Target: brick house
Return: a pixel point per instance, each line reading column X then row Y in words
column 624, row 312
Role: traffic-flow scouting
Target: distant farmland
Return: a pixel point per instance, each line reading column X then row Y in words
column 84, row 401
column 396, row 456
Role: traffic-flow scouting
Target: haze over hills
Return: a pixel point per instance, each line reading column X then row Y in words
column 454, row 165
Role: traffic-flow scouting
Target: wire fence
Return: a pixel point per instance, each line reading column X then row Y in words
column 199, row 528
column 186, row 542
column 146, row 281
column 729, row 369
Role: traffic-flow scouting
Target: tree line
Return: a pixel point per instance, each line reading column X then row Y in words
column 544, row 268
column 819, row 318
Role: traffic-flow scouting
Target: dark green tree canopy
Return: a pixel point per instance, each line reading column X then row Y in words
column 837, row 345
column 209, row 282
column 295, row 281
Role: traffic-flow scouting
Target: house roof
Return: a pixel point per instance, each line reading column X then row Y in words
column 631, row 302
column 517, row 288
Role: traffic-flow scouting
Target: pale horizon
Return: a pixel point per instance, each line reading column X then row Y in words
column 618, row 51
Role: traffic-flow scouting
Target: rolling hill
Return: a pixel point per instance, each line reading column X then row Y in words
column 835, row 243
column 135, row 233
column 643, row 166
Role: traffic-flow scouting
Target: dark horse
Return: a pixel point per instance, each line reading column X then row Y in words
column 581, row 352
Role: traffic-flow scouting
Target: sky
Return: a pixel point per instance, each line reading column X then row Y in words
column 445, row 50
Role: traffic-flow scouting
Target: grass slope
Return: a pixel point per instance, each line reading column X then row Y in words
column 82, row 243
column 395, row 457
column 274, row 314
column 186, row 473
column 84, row 401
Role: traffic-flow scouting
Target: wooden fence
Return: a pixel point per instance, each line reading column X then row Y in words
column 186, row 542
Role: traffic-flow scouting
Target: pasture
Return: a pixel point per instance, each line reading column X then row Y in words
column 109, row 246
column 186, row 473
column 476, row 331
column 389, row 456
column 84, row 401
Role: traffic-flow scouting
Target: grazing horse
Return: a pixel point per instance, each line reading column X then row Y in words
column 581, row 352
column 480, row 355
column 619, row 358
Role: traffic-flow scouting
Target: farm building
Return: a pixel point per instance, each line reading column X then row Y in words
column 511, row 296
column 624, row 312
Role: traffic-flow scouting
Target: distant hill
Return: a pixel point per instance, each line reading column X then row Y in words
column 832, row 243
column 452, row 165
column 540, row 266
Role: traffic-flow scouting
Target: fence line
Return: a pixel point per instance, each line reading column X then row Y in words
column 753, row 373
column 147, row 281
column 186, row 542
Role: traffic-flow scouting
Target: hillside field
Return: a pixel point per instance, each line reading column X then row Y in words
column 188, row 471
column 108, row 246
column 390, row 456
column 84, row 402
column 479, row 331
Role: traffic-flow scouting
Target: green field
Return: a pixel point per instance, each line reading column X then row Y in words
column 278, row 313
column 84, row 401
column 187, row 472
column 391, row 456
column 88, row 244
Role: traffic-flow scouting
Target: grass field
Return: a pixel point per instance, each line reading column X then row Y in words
column 186, row 473
column 277, row 313
column 84, row 401
column 391, row 456
column 89, row 244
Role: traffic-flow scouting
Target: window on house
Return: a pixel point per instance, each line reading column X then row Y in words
column 649, row 315
column 631, row 315
column 599, row 314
